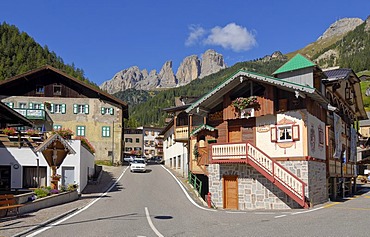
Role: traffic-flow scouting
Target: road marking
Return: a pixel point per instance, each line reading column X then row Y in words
column 81, row 210
column 151, row 223
column 186, row 193
column 331, row 204
column 235, row 212
column 265, row 213
column 279, row 216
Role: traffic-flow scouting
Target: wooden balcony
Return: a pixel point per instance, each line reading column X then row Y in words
column 38, row 114
column 182, row 134
column 228, row 153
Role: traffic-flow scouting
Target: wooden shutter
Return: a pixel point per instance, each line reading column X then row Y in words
column 86, row 109
column 102, row 110
column 273, row 134
column 75, row 108
column 111, row 111
column 63, row 108
column 52, row 108
column 295, row 132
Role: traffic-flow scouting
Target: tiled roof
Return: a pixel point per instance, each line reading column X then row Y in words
column 297, row 62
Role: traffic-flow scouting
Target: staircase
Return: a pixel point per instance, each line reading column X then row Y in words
column 272, row 170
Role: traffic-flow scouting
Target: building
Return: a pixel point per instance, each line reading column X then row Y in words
column 150, row 141
column 133, row 141
column 276, row 142
column 54, row 100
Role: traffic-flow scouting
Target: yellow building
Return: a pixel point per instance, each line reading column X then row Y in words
column 54, row 100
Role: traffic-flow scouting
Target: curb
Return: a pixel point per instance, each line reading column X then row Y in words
column 45, row 223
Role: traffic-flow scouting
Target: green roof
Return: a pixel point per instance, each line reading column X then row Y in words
column 297, row 62
column 202, row 127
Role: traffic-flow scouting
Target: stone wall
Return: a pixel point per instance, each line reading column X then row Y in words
column 256, row 192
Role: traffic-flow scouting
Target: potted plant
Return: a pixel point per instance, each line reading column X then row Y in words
column 66, row 133
column 242, row 103
column 56, row 177
column 31, row 132
column 86, row 144
column 9, row 131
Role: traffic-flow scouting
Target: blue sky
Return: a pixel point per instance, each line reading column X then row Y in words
column 104, row 37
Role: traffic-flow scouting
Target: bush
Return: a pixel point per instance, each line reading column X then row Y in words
column 41, row 192
column 72, row 187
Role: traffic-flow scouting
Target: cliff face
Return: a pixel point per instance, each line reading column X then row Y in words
column 190, row 69
column 341, row 27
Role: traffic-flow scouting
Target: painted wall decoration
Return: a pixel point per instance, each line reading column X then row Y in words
column 312, row 138
column 320, row 133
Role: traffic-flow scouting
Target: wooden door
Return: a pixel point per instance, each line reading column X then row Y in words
column 235, row 134
column 231, row 192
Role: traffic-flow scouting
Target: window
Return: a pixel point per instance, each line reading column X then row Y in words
column 9, row 104
column 80, row 109
column 129, row 140
column 36, row 105
column 22, row 105
column 81, row 131
column 137, row 140
column 57, row 127
column 40, row 89
column 105, row 110
column 57, row 89
column 284, row 133
column 58, row 108
column 128, row 149
column 30, row 177
column 105, row 131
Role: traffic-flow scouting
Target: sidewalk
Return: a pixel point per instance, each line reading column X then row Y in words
column 13, row 226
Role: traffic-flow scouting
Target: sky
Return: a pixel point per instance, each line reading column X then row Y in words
column 105, row 37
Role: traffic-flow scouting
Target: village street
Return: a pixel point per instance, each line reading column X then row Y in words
column 154, row 204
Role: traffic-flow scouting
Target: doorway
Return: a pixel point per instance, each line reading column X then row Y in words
column 230, row 183
column 68, row 175
column 5, row 176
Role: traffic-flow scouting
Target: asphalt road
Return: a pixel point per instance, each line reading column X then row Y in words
column 154, row 204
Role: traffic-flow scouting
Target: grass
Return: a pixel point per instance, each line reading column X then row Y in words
column 364, row 85
column 103, row 162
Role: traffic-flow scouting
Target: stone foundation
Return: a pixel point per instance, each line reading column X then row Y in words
column 256, row 192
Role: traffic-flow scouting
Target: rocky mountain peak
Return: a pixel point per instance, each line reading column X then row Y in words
column 189, row 70
column 167, row 77
column 274, row 55
column 367, row 26
column 341, row 27
column 212, row 62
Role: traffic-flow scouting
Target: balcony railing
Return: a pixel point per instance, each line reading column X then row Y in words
column 230, row 151
column 32, row 113
column 182, row 133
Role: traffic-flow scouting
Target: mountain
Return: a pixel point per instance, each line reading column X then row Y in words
column 20, row 53
column 190, row 69
column 345, row 43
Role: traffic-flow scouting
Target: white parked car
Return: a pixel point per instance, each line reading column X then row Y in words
column 138, row 164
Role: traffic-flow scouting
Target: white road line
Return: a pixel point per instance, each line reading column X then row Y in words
column 279, row 216
column 151, row 223
column 186, row 193
column 81, row 210
column 235, row 212
column 303, row 212
column 265, row 213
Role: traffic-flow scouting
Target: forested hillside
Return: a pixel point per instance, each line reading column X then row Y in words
column 150, row 112
column 20, row 53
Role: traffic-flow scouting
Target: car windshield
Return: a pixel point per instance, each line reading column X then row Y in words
column 139, row 161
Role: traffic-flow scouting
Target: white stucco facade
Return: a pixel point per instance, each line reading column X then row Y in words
column 81, row 163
